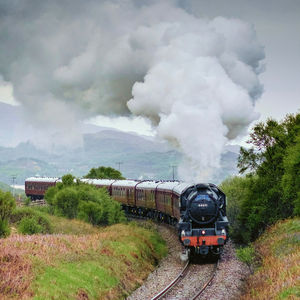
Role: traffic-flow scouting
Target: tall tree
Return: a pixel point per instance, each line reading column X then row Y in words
column 104, row 173
column 273, row 155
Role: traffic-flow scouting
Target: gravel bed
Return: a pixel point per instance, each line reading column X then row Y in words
column 227, row 283
column 167, row 270
column 196, row 277
column 230, row 277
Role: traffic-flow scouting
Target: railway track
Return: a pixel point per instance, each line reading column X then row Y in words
column 169, row 287
column 182, row 286
column 190, row 282
column 208, row 282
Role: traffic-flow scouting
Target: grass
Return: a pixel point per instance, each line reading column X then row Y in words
column 71, row 280
column 247, row 256
column 278, row 276
column 106, row 263
column 62, row 225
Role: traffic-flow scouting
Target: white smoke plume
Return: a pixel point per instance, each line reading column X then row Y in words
column 195, row 79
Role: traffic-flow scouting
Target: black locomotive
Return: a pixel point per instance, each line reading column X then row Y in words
column 203, row 225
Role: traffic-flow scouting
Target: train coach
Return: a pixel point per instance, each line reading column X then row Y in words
column 35, row 187
column 198, row 210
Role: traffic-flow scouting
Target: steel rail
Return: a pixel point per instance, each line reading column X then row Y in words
column 169, row 287
column 207, row 283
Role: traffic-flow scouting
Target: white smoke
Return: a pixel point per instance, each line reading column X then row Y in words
column 200, row 89
column 195, row 79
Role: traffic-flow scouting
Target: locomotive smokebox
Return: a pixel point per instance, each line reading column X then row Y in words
column 202, row 207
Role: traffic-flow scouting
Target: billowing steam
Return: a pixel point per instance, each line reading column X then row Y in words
column 195, row 79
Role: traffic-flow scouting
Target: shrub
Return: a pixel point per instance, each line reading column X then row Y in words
column 66, row 202
column 90, row 212
column 4, row 228
column 7, row 204
column 30, row 225
column 29, row 213
column 83, row 201
column 27, row 201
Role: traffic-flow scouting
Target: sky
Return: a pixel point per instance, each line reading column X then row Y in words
column 195, row 73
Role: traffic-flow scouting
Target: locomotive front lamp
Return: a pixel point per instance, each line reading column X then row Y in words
column 203, row 232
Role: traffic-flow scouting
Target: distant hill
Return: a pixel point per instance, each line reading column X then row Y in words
column 141, row 157
column 7, row 188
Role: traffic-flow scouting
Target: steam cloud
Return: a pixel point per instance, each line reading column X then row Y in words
column 195, row 79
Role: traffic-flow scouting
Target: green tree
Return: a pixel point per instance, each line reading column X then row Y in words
column 291, row 177
column 236, row 190
column 68, row 180
column 271, row 164
column 104, row 173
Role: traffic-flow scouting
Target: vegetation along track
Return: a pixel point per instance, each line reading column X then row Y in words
column 190, row 282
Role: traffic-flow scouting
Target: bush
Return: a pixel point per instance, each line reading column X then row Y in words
column 27, row 201
column 29, row 213
column 7, row 204
column 74, row 199
column 4, row 228
column 90, row 212
column 29, row 225
column 66, row 202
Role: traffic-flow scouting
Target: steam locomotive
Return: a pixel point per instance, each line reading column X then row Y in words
column 197, row 210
